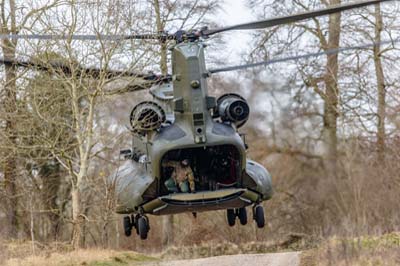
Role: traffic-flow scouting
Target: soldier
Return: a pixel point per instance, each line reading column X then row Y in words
column 181, row 176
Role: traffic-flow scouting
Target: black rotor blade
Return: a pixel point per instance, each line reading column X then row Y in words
column 262, row 24
column 57, row 66
column 298, row 57
column 88, row 37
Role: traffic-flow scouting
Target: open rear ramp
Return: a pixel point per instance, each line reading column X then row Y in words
column 201, row 201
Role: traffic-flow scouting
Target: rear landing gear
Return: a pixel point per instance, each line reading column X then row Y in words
column 242, row 215
column 258, row 216
column 231, row 215
column 139, row 222
column 127, row 226
column 143, row 227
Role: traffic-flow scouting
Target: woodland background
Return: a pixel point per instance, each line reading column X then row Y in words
column 327, row 128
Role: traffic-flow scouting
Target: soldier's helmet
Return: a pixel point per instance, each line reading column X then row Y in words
column 185, row 162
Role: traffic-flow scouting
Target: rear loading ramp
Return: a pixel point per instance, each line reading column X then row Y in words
column 201, row 201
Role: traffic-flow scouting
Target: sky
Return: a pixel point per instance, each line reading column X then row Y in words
column 235, row 12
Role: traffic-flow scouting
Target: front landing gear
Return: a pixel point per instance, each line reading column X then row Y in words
column 139, row 222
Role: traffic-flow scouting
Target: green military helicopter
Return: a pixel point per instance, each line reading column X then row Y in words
column 186, row 137
column 184, row 122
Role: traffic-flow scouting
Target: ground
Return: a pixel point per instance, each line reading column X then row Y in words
column 383, row 250
column 113, row 258
column 271, row 259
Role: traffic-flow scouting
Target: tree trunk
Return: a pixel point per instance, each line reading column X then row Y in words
column 51, row 179
column 10, row 167
column 380, row 78
column 76, row 217
column 332, row 95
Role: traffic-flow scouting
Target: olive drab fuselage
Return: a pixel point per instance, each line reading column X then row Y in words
column 193, row 130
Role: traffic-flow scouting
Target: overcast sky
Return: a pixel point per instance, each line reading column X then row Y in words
column 235, row 12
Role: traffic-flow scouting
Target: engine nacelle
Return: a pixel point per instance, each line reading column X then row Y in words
column 147, row 116
column 233, row 108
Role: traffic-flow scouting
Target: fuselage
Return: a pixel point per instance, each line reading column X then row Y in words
column 198, row 133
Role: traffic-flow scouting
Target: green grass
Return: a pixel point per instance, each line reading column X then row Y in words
column 381, row 250
column 123, row 259
column 391, row 240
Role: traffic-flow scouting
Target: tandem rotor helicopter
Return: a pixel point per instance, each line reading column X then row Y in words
column 187, row 154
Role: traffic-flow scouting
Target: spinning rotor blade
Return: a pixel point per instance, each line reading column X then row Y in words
column 180, row 36
column 56, row 66
column 262, row 24
column 88, row 37
column 298, row 57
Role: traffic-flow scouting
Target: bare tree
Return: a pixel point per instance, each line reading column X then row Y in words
column 374, row 91
column 13, row 23
column 83, row 92
column 324, row 75
column 334, row 93
column 380, row 78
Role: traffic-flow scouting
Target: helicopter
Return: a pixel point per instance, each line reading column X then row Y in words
column 185, row 127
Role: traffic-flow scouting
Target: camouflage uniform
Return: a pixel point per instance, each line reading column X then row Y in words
column 180, row 176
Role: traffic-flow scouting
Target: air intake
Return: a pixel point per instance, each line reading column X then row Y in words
column 147, row 116
column 233, row 108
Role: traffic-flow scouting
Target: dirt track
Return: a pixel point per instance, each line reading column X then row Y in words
column 271, row 259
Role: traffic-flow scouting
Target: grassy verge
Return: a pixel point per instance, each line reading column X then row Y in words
column 361, row 251
column 90, row 257
column 291, row 242
column 123, row 259
column 19, row 253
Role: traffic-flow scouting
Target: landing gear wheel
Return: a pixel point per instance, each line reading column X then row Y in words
column 259, row 216
column 143, row 227
column 231, row 216
column 148, row 223
column 136, row 219
column 127, row 226
column 133, row 221
column 242, row 214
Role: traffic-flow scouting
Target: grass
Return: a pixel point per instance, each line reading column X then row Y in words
column 381, row 250
column 18, row 252
column 65, row 256
column 123, row 259
column 291, row 242
column 89, row 257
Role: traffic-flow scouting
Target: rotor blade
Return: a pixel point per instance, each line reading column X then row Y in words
column 24, row 63
column 262, row 24
column 88, row 37
column 298, row 57
column 124, row 85
column 57, row 66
